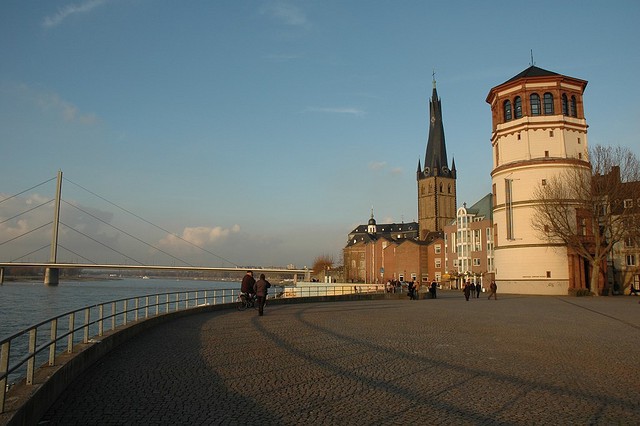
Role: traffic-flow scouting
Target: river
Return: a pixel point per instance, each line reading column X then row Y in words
column 25, row 303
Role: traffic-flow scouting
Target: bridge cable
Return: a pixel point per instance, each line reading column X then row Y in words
column 26, row 211
column 77, row 254
column 26, row 190
column 28, row 232
column 30, row 253
column 130, row 235
column 101, row 243
column 153, row 224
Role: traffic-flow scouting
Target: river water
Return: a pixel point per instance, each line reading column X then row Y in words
column 26, row 303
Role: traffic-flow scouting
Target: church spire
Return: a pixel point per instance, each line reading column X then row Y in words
column 435, row 161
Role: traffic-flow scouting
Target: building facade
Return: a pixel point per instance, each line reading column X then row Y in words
column 468, row 245
column 538, row 130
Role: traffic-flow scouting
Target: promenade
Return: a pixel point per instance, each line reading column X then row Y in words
column 517, row 360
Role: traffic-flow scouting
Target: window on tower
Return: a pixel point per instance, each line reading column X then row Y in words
column 573, row 110
column 548, row 103
column 534, row 100
column 507, row 110
column 565, row 104
column 517, row 106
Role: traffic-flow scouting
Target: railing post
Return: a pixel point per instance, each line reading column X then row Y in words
column 54, row 338
column 166, row 308
column 72, row 326
column 177, row 301
column 113, row 315
column 100, row 319
column 136, row 305
column 157, row 304
column 124, row 312
column 4, row 367
column 146, row 307
column 87, row 317
column 33, row 334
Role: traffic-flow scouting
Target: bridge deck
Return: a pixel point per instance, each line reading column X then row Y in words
column 517, row 360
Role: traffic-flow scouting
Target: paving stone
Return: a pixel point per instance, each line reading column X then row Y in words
column 517, row 360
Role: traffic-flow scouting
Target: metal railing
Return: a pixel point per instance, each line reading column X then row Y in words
column 42, row 342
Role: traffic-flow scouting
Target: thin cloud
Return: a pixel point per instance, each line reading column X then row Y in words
column 50, row 101
column 338, row 110
column 68, row 10
column 377, row 165
column 200, row 236
column 287, row 13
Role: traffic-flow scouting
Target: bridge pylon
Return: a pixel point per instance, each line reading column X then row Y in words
column 52, row 275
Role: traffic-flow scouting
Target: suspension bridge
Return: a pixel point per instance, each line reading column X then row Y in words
column 53, row 266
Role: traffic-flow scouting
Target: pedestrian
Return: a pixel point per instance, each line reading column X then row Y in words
column 260, row 288
column 494, row 288
column 432, row 289
column 411, row 289
column 467, row 290
column 478, row 290
column 246, row 287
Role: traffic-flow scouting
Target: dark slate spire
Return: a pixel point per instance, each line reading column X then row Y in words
column 435, row 161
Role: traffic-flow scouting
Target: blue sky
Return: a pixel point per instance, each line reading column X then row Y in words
column 265, row 131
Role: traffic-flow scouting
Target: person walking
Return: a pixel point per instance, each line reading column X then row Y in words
column 494, row 288
column 260, row 288
column 467, row 290
column 478, row 290
column 432, row 289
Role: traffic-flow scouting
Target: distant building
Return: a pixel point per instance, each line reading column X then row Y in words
column 538, row 131
column 469, row 251
column 415, row 250
column 436, row 182
column 624, row 266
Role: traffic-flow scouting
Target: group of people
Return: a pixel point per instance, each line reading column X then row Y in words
column 413, row 288
column 252, row 288
column 470, row 288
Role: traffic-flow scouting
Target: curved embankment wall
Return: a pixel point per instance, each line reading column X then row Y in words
column 26, row 404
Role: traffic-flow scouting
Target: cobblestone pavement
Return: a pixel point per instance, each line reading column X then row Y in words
column 517, row 360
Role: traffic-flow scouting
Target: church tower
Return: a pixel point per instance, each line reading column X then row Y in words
column 436, row 182
column 539, row 130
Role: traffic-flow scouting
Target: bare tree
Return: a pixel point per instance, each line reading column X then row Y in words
column 322, row 263
column 585, row 209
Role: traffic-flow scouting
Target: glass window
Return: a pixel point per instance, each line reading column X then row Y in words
column 534, row 100
column 517, row 105
column 507, row 110
column 565, row 105
column 548, row 103
column 631, row 260
column 628, row 203
column 438, row 248
column 574, row 110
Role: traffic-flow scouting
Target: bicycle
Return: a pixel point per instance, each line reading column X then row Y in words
column 245, row 301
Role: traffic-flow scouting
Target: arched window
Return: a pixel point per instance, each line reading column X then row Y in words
column 548, row 103
column 534, row 100
column 449, row 189
column 574, row 110
column 565, row 105
column 517, row 106
column 507, row 110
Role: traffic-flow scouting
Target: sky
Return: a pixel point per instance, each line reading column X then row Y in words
column 265, row 131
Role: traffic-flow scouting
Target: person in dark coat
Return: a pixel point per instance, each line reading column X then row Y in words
column 494, row 288
column 247, row 284
column 478, row 290
column 467, row 290
column 432, row 289
column 260, row 288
